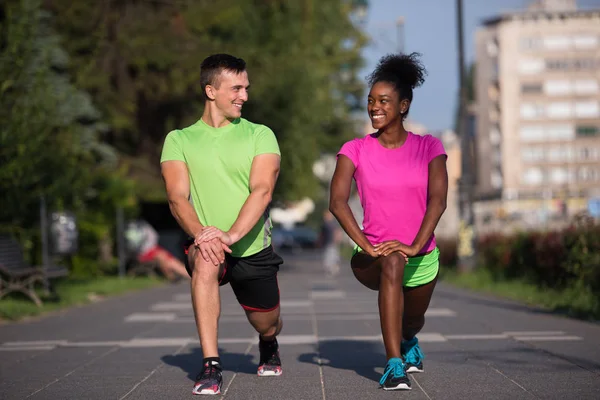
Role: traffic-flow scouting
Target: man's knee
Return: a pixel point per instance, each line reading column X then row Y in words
column 204, row 271
column 271, row 330
column 392, row 268
column 267, row 324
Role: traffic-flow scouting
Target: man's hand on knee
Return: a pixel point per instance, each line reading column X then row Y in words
column 213, row 251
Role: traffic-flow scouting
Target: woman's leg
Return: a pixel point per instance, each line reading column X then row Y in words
column 386, row 275
column 416, row 302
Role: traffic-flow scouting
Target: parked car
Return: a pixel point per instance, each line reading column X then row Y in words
column 298, row 237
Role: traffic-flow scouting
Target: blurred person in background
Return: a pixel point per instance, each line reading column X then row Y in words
column 142, row 241
column 228, row 167
column 331, row 239
column 402, row 183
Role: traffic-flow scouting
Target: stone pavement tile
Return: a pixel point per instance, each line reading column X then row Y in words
column 457, row 325
column 87, row 387
column 172, row 390
column 348, row 387
column 583, row 353
column 170, row 330
column 300, row 380
column 530, row 367
column 22, row 379
column 175, row 377
column 348, row 328
column 8, row 359
column 454, row 374
column 296, row 327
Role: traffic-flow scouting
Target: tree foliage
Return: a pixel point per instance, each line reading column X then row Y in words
column 140, row 62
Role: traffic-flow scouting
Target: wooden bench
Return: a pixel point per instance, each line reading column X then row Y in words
column 17, row 276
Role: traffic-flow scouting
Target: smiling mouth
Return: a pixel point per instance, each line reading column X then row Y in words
column 377, row 117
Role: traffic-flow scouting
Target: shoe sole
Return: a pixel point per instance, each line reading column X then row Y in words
column 402, row 386
column 269, row 373
column 206, row 391
column 414, row 370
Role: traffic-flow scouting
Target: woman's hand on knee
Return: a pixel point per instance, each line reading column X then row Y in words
column 391, row 246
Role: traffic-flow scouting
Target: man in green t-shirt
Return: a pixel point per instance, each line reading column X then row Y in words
column 220, row 174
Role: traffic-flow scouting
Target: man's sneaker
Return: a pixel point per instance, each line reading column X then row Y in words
column 270, row 363
column 394, row 376
column 413, row 356
column 210, row 380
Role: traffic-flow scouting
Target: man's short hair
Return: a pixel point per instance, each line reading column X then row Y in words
column 212, row 66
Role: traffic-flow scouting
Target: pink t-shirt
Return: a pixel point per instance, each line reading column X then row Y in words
column 392, row 185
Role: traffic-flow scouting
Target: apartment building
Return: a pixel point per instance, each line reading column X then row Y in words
column 538, row 105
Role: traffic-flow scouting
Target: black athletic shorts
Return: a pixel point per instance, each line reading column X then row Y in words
column 252, row 278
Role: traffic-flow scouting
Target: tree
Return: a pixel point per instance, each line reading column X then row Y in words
column 49, row 129
column 140, row 61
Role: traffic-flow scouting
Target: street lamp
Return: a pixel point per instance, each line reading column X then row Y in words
column 466, row 233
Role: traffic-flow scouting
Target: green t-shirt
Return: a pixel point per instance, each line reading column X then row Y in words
column 219, row 162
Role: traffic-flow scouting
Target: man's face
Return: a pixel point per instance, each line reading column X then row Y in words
column 232, row 93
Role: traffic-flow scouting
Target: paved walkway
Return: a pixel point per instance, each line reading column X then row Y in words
column 144, row 346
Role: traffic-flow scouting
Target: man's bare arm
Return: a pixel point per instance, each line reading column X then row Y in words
column 263, row 176
column 177, row 182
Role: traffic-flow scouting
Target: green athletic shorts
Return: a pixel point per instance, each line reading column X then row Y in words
column 419, row 270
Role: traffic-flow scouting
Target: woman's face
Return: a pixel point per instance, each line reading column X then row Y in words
column 384, row 105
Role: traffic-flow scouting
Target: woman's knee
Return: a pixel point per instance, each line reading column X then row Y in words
column 413, row 322
column 392, row 268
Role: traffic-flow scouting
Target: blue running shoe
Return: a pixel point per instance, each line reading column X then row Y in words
column 413, row 356
column 394, row 376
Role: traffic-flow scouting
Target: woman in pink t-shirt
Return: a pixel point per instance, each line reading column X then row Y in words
column 402, row 183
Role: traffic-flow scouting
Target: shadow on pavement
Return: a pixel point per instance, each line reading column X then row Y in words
column 359, row 356
column 191, row 363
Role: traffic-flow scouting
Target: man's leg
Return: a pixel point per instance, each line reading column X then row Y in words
column 207, row 308
column 254, row 282
column 206, row 300
column 268, row 324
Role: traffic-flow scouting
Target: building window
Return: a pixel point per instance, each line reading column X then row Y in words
column 532, row 154
column 557, row 65
column 533, row 176
column 588, row 174
column 585, row 41
column 532, row 133
column 586, row 86
column 557, row 42
column 532, row 66
column 530, row 43
column 496, row 179
column 559, row 175
column 587, row 131
column 531, row 88
column 532, row 111
column 495, row 136
column 559, row 110
column 573, row 64
column 557, row 87
column 588, row 109
column 559, row 132
column 492, row 48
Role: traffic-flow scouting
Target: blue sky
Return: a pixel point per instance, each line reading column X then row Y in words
column 430, row 29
